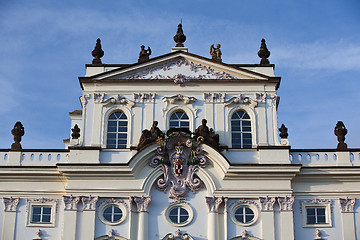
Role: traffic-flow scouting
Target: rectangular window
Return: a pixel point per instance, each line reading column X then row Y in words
column 316, row 213
column 41, row 213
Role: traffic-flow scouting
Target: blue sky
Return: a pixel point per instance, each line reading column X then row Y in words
column 44, row 46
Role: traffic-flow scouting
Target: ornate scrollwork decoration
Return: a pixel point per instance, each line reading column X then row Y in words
column 180, row 157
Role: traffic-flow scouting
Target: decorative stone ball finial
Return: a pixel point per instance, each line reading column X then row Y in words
column 144, row 54
column 283, row 131
column 216, row 52
column 97, row 52
column 179, row 38
column 75, row 132
column 340, row 131
column 264, row 53
column 18, row 131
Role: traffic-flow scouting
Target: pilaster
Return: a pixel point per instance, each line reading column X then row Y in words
column 70, row 212
column 347, row 217
column 267, row 217
column 87, row 227
column 286, row 217
column 213, row 204
column 142, row 204
column 9, row 221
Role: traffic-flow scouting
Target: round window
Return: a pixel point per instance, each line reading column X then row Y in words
column 179, row 214
column 112, row 214
column 244, row 214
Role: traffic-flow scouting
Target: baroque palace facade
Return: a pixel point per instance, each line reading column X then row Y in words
column 179, row 146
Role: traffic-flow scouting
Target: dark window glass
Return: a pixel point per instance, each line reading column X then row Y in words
column 179, row 119
column 241, row 130
column 117, row 130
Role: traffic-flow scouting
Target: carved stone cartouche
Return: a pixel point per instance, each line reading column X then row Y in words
column 75, row 132
column 264, row 53
column 340, row 131
column 283, row 131
column 18, row 131
column 179, row 38
column 210, row 138
column 144, row 54
column 149, row 136
column 215, row 52
column 97, row 53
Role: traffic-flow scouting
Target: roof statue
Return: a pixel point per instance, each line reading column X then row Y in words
column 18, row 131
column 179, row 38
column 75, row 132
column 264, row 53
column 144, row 54
column 209, row 137
column 215, row 52
column 97, row 53
column 340, row 131
column 150, row 136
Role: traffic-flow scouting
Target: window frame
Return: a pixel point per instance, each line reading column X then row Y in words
column 190, row 112
column 110, row 203
column 179, row 120
column 52, row 204
column 241, row 120
column 183, row 205
column 236, row 206
column 326, row 205
column 117, row 133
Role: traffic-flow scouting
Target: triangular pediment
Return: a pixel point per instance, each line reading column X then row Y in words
column 180, row 66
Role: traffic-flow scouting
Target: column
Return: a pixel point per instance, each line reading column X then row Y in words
column 267, row 217
column 8, row 231
column 97, row 119
column 213, row 204
column 142, row 204
column 87, row 227
column 70, row 212
column 226, row 217
column 286, row 218
column 347, row 217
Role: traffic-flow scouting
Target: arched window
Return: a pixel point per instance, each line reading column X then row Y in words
column 117, row 130
column 241, row 130
column 179, row 119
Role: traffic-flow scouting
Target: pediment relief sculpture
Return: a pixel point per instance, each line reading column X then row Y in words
column 170, row 70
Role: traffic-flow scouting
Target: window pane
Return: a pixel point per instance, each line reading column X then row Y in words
column 249, row 218
column 46, row 219
column 310, row 219
column 246, row 129
column 122, row 129
column 47, row 210
column 321, row 211
column 321, row 219
column 183, row 211
column 183, row 219
column 36, row 210
column 123, row 123
column 310, row 211
column 35, row 218
column 246, row 123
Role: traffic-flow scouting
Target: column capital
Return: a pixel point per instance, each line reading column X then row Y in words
column 142, row 203
column 89, row 203
column 71, row 203
column 213, row 203
column 286, row 203
column 267, row 203
column 347, row 204
column 11, row 204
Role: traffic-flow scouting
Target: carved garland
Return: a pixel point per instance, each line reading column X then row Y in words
column 179, row 157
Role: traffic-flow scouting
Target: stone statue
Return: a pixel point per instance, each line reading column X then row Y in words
column 144, row 54
column 97, row 53
column 215, row 52
column 149, row 136
column 340, row 131
column 18, row 131
column 179, row 38
column 210, row 138
column 264, row 53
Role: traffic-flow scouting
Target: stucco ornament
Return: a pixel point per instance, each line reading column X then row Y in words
column 180, row 157
column 178, row 235
column 347, row 204
column 38, row 235
column 11, row 204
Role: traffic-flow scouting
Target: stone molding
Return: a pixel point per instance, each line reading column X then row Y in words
column 118, row 99
column 241, row 99
column 99, row 97
column 316, row 201
column 214, row 97
column 84, row 99
column 261, row 97
column 89, row 203
column 142, row 203
column 286, row 203
column 71, row 203
column 42, row 201
column 267, row 203
column 213, row 203
column 347, row 205
column 11, row 204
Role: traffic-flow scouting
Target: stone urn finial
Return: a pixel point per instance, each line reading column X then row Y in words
column 283, row 131
column 179, row 38
column 18, row 131
column 340, row 131
column 97, row 53
column 75, row 132
column 264, row 53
